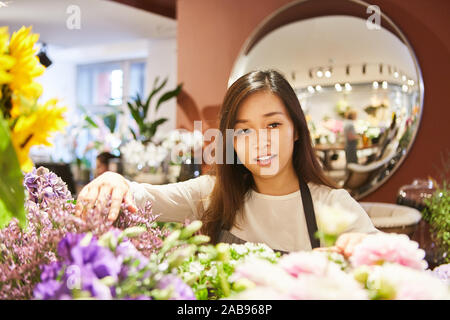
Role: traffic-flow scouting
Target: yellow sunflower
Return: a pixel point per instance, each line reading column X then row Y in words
column 35, row 129
column 6, row 61
column 26, row 67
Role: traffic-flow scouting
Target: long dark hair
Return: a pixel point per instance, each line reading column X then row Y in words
column 234, row 181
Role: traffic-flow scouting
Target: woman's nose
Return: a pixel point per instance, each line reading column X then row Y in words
column 263, row 140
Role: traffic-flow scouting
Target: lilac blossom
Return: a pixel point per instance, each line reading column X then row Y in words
column 50, row 218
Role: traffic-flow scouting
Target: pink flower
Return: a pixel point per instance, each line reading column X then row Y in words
column 303, row 262
column 341, row 287
column 402, row 283
column 389, row 247
column 295, row 278
column 262, row 273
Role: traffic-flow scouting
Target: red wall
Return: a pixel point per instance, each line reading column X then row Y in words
column 211, row 33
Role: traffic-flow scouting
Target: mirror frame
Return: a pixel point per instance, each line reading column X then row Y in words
column 306, row 9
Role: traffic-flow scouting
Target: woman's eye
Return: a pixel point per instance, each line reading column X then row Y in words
column 274, row 125
column 242, row 131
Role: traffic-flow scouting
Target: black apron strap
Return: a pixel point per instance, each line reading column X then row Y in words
column 310, row 215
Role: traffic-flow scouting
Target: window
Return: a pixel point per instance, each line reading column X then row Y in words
column 102, row 89
column 103, row 85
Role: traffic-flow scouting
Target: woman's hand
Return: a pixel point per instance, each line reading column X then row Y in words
column 347, row 242
column 97, row 192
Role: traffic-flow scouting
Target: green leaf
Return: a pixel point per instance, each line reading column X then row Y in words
column 90, row 121
column 137, row 117
column 155, row 90
column 169, row 95
column 133, row 133
column 110, row 121
column 12, row 193
column 154, row 126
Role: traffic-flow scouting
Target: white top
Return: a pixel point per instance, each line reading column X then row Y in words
column 277, row 221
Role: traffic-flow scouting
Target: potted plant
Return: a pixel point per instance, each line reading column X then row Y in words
column 144, row 158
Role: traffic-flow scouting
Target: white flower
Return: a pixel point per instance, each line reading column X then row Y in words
column 196, row 267
column 239, row 248
column 203, row 256
column 136, row 153
column 333, row 220
column 252, row 246
column 212, row 272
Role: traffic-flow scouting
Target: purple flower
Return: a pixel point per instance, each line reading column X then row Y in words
column 100, row 259
column 50, row 271
column 86, row 265
column 181, row 291
column 443, row 272
column 126, row 250
column 43, row 186
column 67, row 243
column 51, row 289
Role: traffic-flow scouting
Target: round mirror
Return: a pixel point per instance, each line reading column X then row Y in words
column 357, row 79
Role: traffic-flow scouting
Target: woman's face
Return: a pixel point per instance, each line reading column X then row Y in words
column 264, row 134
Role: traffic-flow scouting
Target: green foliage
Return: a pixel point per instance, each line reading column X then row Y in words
column 209, row 271
column 328, row 239
column 12, row 193
column 139, row 110
column 437, row 214
column 109, row 120
column 90, row 122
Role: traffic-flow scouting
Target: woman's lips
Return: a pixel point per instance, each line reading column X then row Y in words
column 264, row 161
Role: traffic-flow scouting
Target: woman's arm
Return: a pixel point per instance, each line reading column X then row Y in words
column 175, row 202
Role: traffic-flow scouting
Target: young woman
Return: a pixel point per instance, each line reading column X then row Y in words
column 243, row 200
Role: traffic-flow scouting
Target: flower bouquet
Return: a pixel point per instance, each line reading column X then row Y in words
column 382, row 266
column 59, row 256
